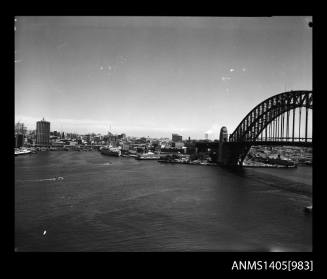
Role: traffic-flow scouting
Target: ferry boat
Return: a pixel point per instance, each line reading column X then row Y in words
column 280, row 161
column 110, row 151
column 148, row 156
column 284, row 162
column 22, row 151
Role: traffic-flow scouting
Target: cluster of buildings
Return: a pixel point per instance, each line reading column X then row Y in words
column 175, row 147
column 39, row 137
column 43, row 139
column 263, row 154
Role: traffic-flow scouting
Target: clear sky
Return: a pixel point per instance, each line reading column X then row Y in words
column 154, row 76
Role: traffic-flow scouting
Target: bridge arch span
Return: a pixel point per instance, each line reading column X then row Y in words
column 269, row 114
column 267, row 111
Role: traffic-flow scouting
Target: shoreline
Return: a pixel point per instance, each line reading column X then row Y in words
column 172, row 162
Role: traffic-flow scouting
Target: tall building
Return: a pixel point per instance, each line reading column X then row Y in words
column 20, row 128
column 206, row 136
column 223, row 137
column 42, row 132
column 176, row 138
column 20, row 132
column 19, row 140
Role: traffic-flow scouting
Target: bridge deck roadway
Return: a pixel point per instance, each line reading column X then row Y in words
column 278, row 143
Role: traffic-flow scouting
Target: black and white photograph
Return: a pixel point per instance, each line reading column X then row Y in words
column 163, row 133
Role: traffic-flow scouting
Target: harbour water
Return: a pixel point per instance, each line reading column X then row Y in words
column 121, row 204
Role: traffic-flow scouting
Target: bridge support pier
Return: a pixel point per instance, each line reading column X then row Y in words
column 231, row 153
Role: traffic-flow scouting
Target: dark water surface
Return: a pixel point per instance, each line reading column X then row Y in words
column 121, row 204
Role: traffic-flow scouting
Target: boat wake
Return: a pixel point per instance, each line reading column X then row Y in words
column 59, row 178
column 52, row 179
column 106, row 164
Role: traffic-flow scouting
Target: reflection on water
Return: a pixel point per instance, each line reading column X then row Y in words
column 146, row 206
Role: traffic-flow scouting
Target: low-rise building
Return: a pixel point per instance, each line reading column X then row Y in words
column 179, row 144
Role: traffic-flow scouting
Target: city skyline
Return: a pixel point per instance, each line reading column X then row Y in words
column 154, row 76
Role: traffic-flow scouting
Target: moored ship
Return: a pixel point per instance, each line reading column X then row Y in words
column 148, row 156
column 283, row 162
column 110, row 151
column 22, row 151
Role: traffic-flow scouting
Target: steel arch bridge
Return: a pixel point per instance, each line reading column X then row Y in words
column 272, row 122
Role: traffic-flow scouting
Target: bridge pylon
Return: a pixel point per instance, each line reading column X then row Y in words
column 230, row 153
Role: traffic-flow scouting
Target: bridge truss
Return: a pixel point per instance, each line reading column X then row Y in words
column 275, row 119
